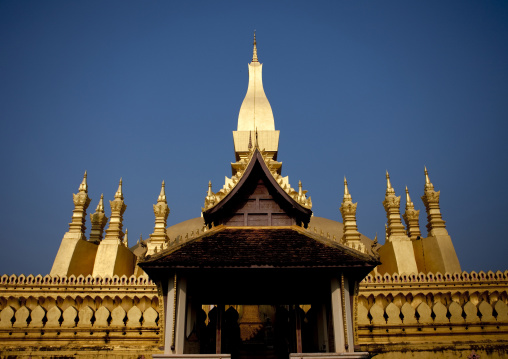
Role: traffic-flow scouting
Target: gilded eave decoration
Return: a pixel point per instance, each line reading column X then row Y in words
column 212, row 199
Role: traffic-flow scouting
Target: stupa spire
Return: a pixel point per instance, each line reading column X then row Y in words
column 396, row 230
column 125, row 240
column 411, row 217
column 346, row 190
column 114, row 231
column 162, row 195
column 255, row 50
column 435, row 223
column 81, row 203
column 256, row 112
column 83, row 187
column 100, row 206
column 99, row 221
column 389, row 188
column 161, row 211
column 351, row 236
column 255, row 117
column 428, row 184
column 119, row 193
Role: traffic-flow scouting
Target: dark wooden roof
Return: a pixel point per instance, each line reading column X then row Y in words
column 289, row 247
column 255, row 171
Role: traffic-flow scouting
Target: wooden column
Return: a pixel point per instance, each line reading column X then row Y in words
column 338, row 326
column 298, row 324
column 218, row 334
column 169, row 328
column 322, row 328
column 348, row 316
column 180, row 315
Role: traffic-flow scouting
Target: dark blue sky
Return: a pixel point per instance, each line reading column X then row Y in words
column 150, row 90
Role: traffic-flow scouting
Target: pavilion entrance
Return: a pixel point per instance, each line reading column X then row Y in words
column 269, row 322
column 263, row 331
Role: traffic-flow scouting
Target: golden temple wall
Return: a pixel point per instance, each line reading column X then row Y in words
column 415, row 316
column 84, row 317
column 434, row 315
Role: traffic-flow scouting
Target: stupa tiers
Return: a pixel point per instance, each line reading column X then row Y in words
column 257, row 275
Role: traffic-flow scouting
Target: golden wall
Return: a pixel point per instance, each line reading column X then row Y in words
column 84, row 317
column 457, row 315
column 416, row 316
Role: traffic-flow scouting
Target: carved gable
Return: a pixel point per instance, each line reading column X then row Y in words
column 257, row 200
column 259, row 209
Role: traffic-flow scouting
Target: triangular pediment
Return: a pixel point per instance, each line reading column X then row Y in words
column 257, row 200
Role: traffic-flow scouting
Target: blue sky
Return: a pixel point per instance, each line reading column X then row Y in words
column 150, row 90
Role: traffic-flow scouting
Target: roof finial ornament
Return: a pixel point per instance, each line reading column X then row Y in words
column 250, row 141
column 255, row 50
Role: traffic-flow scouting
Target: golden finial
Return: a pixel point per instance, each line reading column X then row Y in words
column 162, row 195
column 210, row 188
column 125, row 239
column 388, row 183
column 83, row 187
column 346, row 190
column 250, row 141
column 389, row 188
column 409, row 204
column 100, row 206
column 255, row 51
column 119, row 193
column 428, row 184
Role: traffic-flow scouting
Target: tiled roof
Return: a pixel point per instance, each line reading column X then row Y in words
column 263, row 247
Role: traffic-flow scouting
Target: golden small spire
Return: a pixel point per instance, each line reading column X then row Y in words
column 125, row 239
column 255, row 51
column 347, row 195
column 428, row 184
column 210, row 188
column 389, row 188
column 83, row 187
column 100, row 206
column 119, row 193
column 409, row 204
column 162, row 195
